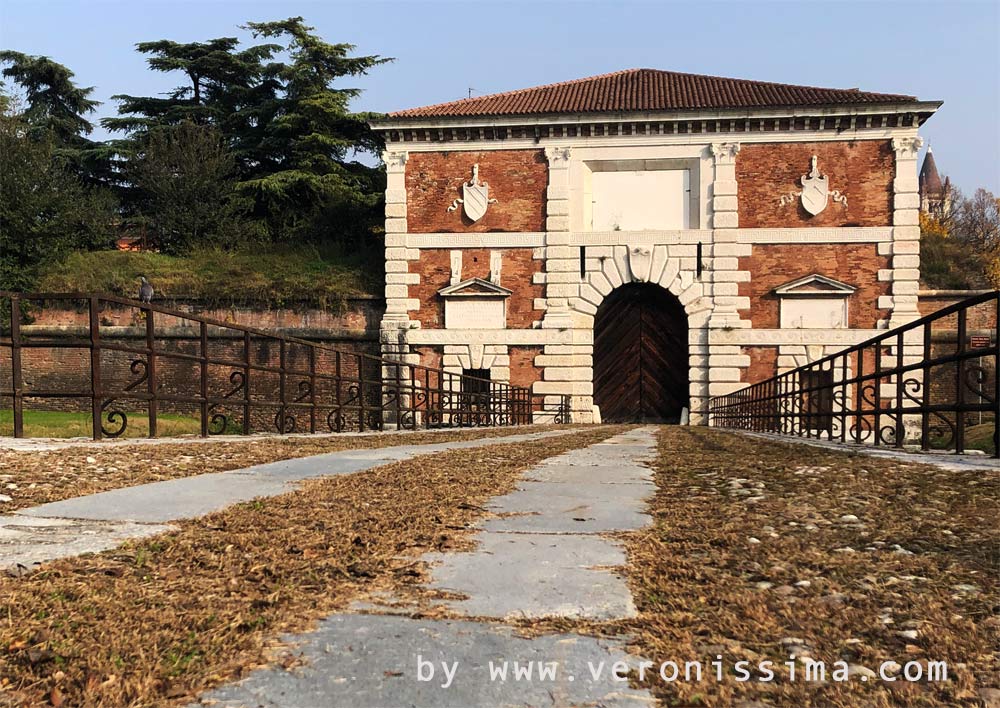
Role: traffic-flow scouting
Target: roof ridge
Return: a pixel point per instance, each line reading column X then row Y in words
column 638, row 89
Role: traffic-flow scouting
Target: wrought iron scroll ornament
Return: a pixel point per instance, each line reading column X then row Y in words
column 815, row 191
column 117, row 416
column 475, row 197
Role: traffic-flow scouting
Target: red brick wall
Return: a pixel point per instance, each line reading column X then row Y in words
column 523, row 371
column 517, row 179
column 774, row 265
column 763, row 364
column 430, row 355
column 518, row 268
column 861, row 170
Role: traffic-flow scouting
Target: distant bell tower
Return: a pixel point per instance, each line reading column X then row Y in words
column 935, row 195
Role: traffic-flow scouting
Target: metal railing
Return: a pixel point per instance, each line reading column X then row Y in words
column 148, row 360
column 927, row 383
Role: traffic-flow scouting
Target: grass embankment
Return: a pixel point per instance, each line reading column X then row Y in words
column 762, row 550
column 66, row 424
column 40, row 477
column 277, row 276
column 157, row 621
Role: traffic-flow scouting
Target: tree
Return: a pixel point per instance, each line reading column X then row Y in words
column 186, row 181
column 289, row 130
column 55, row 105
column 45, row 209
column 977, row 223
column 313, row 135
column 55, row 110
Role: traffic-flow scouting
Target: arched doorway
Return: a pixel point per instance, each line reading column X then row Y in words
column 641, row 355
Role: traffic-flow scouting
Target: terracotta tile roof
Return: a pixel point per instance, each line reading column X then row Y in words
column 644, row 90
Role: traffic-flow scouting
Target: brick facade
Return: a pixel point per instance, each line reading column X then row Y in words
column 773, row 265
column 519, row 268
column 517, row 180
column 861, row 170
column 523, row 371
column 763, row 363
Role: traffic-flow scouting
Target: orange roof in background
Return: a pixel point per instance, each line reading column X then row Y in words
column 642, row 90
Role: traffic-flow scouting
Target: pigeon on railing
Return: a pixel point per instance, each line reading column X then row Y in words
column 145, row 290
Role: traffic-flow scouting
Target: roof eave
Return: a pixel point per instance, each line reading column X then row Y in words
column 925, row 108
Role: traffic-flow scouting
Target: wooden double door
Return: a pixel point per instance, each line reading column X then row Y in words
column 641, row 355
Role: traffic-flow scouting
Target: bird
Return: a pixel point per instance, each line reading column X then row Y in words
column 145, row 290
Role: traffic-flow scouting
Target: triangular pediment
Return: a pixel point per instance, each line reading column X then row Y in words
column 813, row 285
column 475, row 287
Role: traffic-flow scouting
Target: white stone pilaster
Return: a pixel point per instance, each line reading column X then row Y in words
column 557, row 309
column 396, row 321
column 724, row 362
column 905, row 256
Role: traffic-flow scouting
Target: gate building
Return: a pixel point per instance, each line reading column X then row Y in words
column 639, row 241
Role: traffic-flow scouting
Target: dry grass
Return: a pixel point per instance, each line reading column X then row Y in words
column 157, row 621
column 32, row 478
column 924, row 557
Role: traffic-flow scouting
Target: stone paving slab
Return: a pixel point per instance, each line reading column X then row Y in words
column 98, row 522
column 370, row 661
column 543, row 555
column 188, row 497
column 536, row 575
column 26, row 541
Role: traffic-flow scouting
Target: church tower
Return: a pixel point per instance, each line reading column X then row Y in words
column 935, row 195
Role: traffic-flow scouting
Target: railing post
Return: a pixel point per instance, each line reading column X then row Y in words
column 925, row 415
column 996, row 376
column 281, row 386
column 203, row 406
column 151, row 385
column 312, row 389
column 900, row 430
column 338, row 419
column 95, row 367
column 361, row 392
column 246, row 382
column 960, row 384
column 16, row 380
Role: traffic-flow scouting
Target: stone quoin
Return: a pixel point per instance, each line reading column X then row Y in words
column 642, row 240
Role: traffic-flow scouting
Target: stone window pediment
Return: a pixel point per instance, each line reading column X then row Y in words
column 814, row 302
column 475, row 287
column 815, row 285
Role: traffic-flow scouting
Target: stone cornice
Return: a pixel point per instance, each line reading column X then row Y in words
column 919, row 110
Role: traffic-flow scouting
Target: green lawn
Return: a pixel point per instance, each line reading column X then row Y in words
column 277, row 276
column 60, row 424
column 977, row 437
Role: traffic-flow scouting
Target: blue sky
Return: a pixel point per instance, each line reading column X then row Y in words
column 935, row 50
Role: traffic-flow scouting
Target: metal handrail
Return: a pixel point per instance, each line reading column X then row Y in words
column 880, row 391
column 350, row 390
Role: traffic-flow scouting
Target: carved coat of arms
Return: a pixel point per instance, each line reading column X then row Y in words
column 475, row 197
column 816, row 191
column 640, row 261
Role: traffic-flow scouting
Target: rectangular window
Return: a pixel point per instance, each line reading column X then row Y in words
column 476, row 381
